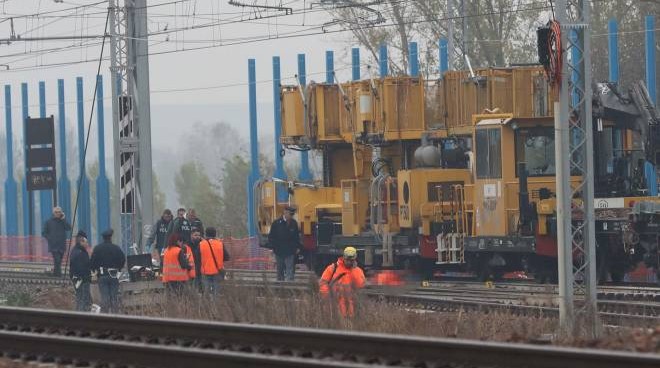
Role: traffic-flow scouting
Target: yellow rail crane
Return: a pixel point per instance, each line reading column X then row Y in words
column 458, row 173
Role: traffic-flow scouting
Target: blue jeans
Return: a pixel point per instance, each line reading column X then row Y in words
column 286, row 267
column 211, row 284
column 109, row 289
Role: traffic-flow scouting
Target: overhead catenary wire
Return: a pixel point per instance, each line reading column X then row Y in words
column 89, row 127
column 294, row 34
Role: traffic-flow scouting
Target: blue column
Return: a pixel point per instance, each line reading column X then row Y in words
column 575, row 60
column 11, row 190
column 254, row 146
column 444, row 56
column 45, row 196
column 28, row 197
column 382, row 60
column 613, row 46
column 649, row 169
column 63, row 184
column 102, row 185
column 305, row 173
column 355, row 61
column 413, row 59
column 282, row 194
column 82, row 183
column 329, row 67
column 650, row 57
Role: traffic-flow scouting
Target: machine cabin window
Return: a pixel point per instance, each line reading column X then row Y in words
column 489, row 153
column 536, row 147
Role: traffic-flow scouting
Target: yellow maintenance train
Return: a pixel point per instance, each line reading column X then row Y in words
column 459, row 173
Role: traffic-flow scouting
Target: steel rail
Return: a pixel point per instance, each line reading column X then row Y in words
column 93, row 352
column 298, row 342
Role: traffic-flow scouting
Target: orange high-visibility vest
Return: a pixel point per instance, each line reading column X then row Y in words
column 210, row 248
column 172, row 270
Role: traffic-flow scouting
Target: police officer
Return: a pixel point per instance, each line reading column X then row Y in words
column 80, row 272
column 107, row 260
column 195, row 222
column 161, row 231
column 182, row 226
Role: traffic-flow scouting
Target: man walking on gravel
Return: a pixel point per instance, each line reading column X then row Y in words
column 55, row 232
column 284, row 238
column 341, row 280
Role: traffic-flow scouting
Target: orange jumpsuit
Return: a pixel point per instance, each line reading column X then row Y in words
column 342, row 283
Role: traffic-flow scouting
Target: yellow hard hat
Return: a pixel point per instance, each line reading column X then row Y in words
column 350, row 252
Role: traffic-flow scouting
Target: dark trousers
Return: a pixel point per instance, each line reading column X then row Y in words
column 109, row 289
column 83, row 297
column 176, row 288
column 57, row 262
column 286, row 267
column 211, row 284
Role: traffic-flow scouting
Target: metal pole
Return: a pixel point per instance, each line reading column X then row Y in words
column 305, row 173
column 382, row 60
column 63, row 183
column 450, row 35
column 650, row 57
column 84, row 205
column 116, row 88
column 144, row 167
column 413, row 59
column 11, row 189
column 254, row 146
column 28, row 197
column 355, row 63
column 443, row 64
column 329, row 67
column 45, row 196
column 613, row 45
column 578, row 263
column 102, row 185
column 280, row 173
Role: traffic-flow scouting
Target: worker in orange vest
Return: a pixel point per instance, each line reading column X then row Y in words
column 213, row 254
column 176, row 266
column 341, row 280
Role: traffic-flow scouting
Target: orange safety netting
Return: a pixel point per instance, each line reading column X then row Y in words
column 245, row 253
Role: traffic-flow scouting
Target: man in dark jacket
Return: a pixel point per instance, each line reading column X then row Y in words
column 284, row 238
column 182, row 225
column 160, row 233
column 107, row 260
column 196, row 238
column 80, row 272
column 54, row 230
column 195, row 222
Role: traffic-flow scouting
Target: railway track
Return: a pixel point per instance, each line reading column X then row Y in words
column 618, row 305
column 109, row 340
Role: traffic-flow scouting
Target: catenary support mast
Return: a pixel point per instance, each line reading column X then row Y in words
column 131, row 120
column 575, row 204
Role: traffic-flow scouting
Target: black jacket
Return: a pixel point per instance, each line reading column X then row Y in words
column 183, row 228
column 79, row 266
column 54, row 231
column 284, row 237
column 107, row 255
column 197, row 224
column 160, row 233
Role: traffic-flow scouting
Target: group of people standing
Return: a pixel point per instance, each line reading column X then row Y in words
column 105, row 262
column 191, row 257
